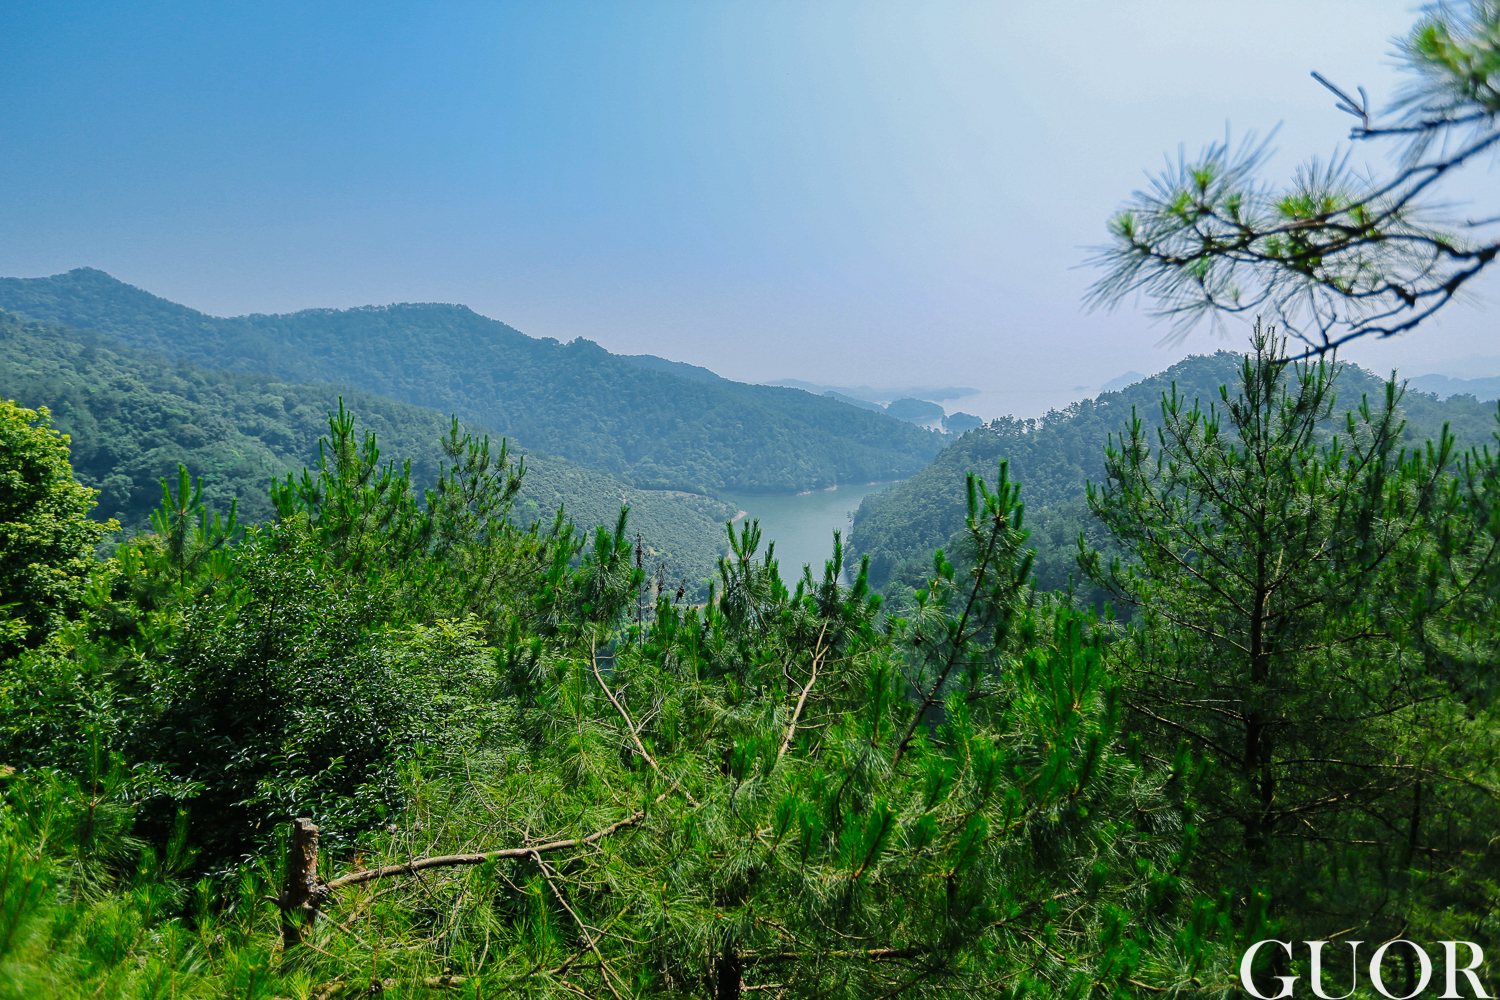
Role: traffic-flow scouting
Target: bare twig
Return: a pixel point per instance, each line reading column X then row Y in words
column 631, row 727
column 791, row 730
column 455, row 860
column 870, row 954
column 588, row 938
column 1359, row 109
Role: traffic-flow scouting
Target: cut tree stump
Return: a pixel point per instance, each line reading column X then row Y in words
column 299, row 898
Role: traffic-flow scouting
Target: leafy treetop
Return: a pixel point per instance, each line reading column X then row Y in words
column 46, row 537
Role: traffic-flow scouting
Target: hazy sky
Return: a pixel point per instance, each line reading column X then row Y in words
column 840, row 192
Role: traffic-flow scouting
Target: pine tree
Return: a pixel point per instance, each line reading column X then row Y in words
column 1288, row 576
column 1337, row 254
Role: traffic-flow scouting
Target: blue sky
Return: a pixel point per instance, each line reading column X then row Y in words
column 841, row 192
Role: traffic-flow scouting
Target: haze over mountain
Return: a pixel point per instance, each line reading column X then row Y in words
column 638, row 418
column 132, row 416
column 834, row 183
column 1444, row 386
column 878, row 394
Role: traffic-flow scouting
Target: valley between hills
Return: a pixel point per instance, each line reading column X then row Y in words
column 141, row 384
column 396, row 582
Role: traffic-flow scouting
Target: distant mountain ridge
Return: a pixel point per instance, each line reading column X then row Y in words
column 646, row 421
column 1125, row 381
column 1443, row 386
column 1053, row 457
column 132, row 416
column 875, row 395
column 921, row 412
column 681, row 368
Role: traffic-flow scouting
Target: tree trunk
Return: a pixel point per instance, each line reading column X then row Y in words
column 728, row 976
column 299, row 897
column 1259, row 775
column 1413, row 832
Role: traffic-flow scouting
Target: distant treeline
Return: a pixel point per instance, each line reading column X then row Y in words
column 652, row 427
column 132, row 416
column 1055, row 456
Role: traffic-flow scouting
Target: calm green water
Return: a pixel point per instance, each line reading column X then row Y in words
column 802, row 526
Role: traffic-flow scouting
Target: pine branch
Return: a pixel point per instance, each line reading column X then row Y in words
column 931, row 698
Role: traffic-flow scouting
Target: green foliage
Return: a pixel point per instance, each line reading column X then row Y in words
column 1293, row 588
column 1055, row 457
column 46, row 538
column 538, row 768
column 654, row 428
column 87, row 910
column 776, row 807
column 133, row 418
column 282, row 700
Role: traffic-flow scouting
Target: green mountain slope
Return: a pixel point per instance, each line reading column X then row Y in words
column 679, row 368
column 132, row 416
column 1053, row 457
column 1443, row 386
column 648, row 425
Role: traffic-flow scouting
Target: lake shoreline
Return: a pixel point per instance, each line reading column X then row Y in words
column 749, row 494
column 802, row 524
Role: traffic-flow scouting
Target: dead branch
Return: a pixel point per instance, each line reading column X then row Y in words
column 455, row 860
column 631, row 727
column 871, row 954
column 588, row 938
column 791, row 730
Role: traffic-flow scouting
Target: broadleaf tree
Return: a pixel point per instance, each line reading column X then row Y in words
column 47, row 539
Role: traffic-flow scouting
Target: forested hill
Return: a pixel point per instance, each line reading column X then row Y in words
column 644, row 422
column 132, row 416
column 1052, row 458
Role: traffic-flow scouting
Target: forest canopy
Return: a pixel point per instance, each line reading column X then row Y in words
column 132, row 416
column 1054, row 457
column 394, row 740
column 651, row 427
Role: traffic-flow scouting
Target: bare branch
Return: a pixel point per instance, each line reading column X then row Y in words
column 456, row 860
column 1359, row 109
column 631, row 728
column 791, row 730
column 588, row 938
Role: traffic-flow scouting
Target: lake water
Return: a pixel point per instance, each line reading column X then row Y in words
column 802, row 526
